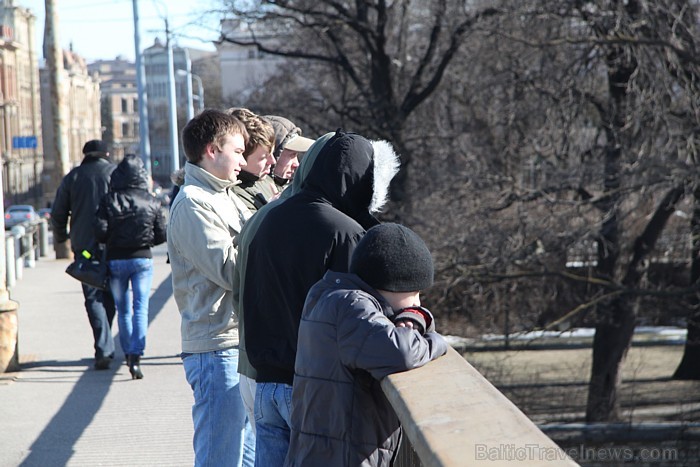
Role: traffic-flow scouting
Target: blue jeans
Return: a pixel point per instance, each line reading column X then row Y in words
column 132, row 317
column 273, row 417
column 222, row 434
column 99, row 306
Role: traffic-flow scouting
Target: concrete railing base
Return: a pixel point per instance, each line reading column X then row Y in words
column 9, row 354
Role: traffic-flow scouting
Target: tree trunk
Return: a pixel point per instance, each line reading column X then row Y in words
column 609, row 347
column 610, row 344
column 689, row 368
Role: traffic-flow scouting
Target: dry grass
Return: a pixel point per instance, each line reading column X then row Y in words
column 552, row 385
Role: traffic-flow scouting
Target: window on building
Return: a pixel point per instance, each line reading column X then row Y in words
column 125, row 129
column 125, row 105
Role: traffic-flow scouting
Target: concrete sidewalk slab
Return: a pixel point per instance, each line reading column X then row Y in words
column 57, row 410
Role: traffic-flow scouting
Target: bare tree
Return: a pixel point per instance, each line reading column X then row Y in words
column 550, row 144
column 688, row 368
column 380, row 60
column 585, row 124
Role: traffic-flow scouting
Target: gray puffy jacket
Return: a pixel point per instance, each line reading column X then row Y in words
column 347, row 344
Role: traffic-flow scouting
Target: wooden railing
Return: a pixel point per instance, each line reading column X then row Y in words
column 452, row 416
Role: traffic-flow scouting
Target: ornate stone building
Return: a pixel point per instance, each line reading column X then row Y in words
column 81, row 92
column 20, row 117
column 120, row 105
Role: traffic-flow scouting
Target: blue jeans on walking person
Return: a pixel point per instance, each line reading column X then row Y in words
column 99, row 306
column 131, row 302
column 222, row 434
column 273, row 417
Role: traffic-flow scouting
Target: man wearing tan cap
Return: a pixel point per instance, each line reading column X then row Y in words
column 288, row 144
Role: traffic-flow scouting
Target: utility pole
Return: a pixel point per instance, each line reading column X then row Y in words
column 174, row 147
column 188, row 86
column 144, row 142
column 54, row 62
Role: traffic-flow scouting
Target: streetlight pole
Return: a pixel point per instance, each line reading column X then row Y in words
column 188, row 86
column 144, row 142
column 200, row 92
column 174, row 148
column 190, row 96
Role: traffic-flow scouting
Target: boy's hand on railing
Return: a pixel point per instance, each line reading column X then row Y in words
column 415, row 317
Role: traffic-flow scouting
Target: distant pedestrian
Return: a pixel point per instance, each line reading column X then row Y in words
column 366, row 324
column 130, row 221
column 74, row 209
column 289, row 146
column 178, row 179
column 205, row 220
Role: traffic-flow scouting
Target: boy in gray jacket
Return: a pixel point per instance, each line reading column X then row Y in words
column 357, row 328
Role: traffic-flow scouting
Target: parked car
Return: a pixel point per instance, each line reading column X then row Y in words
column 18, row 213
column 44, row 213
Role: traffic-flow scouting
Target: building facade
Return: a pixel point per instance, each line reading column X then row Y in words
column 20, row 115
column 243, row 67
column 80, row 92
column 155, row 60
column 119, row 105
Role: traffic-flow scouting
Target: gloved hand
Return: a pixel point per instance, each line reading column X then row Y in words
column 419, row 318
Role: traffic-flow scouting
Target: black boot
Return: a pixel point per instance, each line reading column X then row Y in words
column 135, row 367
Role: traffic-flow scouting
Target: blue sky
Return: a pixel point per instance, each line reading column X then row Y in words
column 103, row 29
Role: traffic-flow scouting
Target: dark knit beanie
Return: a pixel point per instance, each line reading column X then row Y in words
column 95, row 146
column 394, row 258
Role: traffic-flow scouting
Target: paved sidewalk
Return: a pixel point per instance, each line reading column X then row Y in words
column 57, row 410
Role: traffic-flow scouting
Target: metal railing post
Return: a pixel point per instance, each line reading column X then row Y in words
column 31, row 254
column 10, row 261
column 17, row 233
column 43, row 238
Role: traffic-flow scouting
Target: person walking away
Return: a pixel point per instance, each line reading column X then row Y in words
column 289, row 145
column 367, row 324
column 130, row 222
column 300, row 239
column 74, row 207
column 256, row 187
column 205, row 220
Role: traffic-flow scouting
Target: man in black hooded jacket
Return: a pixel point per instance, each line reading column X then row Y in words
column 313, row 231
column 76, row 200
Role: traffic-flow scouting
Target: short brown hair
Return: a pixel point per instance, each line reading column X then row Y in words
column 209, row 127
column 260, row 130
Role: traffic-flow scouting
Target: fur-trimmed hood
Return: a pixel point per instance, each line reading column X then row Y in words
column 353, row 174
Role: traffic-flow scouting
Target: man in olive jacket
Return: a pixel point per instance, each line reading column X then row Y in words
column 77, row 199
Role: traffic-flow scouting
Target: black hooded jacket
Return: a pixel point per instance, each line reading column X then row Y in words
column 129, row 219
column 313, row 231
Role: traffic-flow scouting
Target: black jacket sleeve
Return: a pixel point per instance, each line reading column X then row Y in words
column 159, row 227
column 60, row 211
